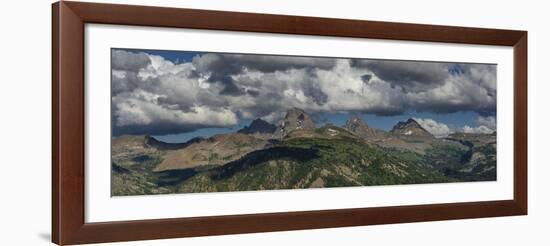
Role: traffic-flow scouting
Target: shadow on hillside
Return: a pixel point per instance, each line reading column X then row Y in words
column 261, row 156
column 172, row 177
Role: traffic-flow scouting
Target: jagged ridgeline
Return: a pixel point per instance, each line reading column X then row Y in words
column 295, row 153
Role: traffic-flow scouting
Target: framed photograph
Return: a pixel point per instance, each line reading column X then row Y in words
column 174, row 122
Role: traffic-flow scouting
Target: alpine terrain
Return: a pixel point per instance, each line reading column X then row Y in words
column 297, row 154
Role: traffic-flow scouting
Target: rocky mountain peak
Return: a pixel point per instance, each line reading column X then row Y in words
column 297, row 118
column 258, row 126
column 356, row 125
column 409, row 123
column 410, row 128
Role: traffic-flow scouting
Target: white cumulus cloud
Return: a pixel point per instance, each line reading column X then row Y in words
column 479, row 129
column 488, row 121
column 438, row 129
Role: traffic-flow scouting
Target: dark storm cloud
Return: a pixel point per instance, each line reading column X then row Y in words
column 265, row 104
column 438, row 87
column 253, row 92
column 312, row 89
column 231, row 89
column 468, row 87
column 482, row 108
column 409, row 75
column 157, row 128
column 366, row 78
column 220, row 67
column 314, row 92
column 385, row 111
column 234, row 63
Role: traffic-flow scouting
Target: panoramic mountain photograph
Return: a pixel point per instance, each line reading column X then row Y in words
column 193, row 122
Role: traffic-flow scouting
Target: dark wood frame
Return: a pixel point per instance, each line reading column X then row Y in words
column 68, row 224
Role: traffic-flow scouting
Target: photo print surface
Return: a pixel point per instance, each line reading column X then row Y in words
column 189, row 122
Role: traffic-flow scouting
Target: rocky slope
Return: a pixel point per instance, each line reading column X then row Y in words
column 357, row 126
column 259, row 126
column 479, row 162
column 311, row 163
column 217, row 150
column 410, row 128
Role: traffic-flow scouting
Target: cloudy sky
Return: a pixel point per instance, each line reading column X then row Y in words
column 180, row 93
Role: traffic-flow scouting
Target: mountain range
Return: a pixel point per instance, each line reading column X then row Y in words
column 296, row 154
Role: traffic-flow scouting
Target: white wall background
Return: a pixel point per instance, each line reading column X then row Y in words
column 25, row 123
